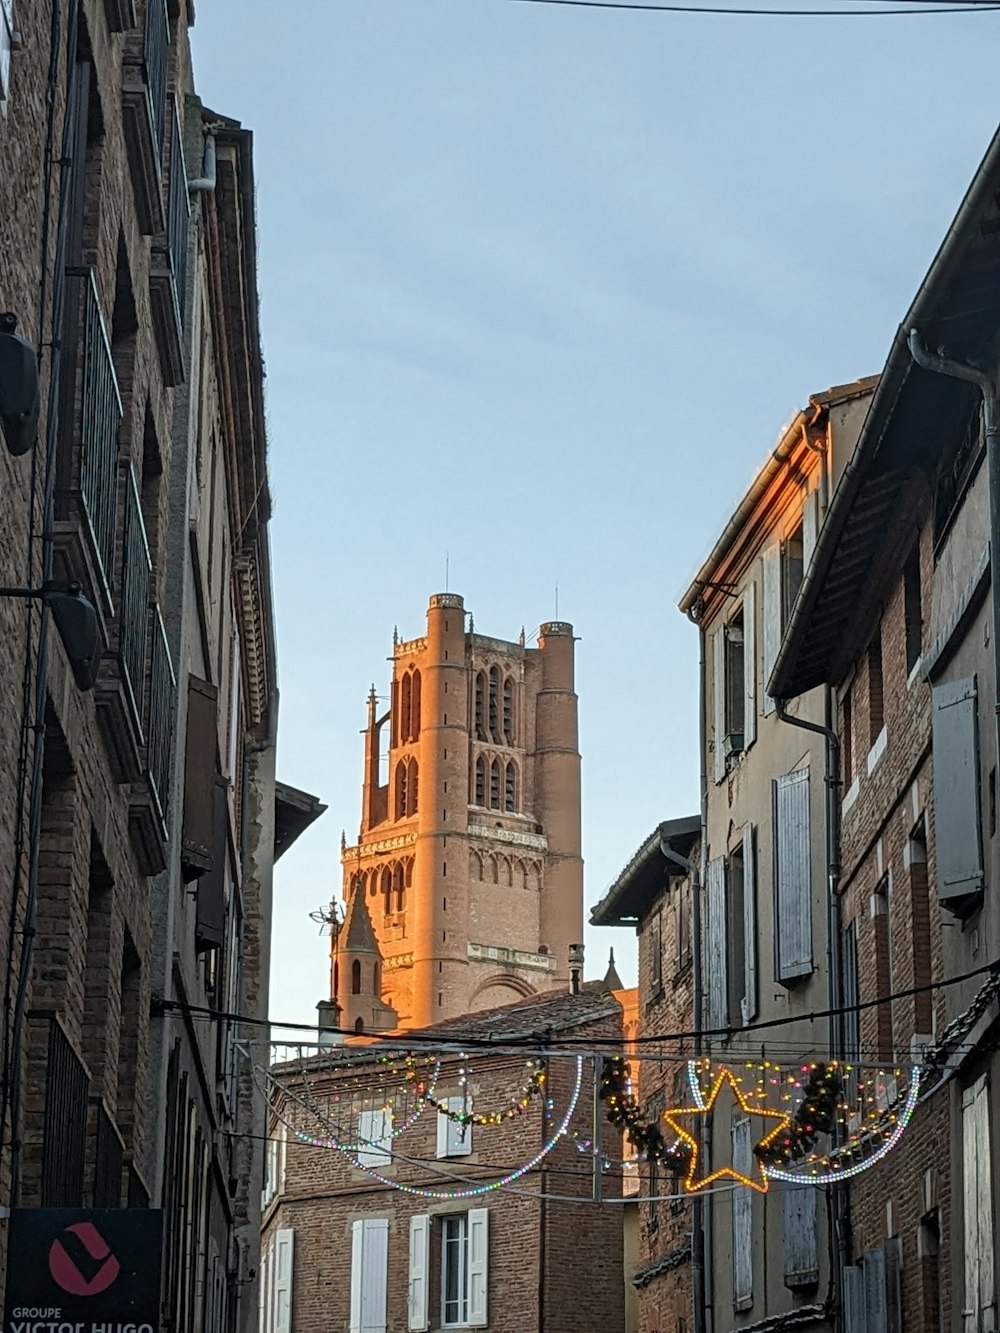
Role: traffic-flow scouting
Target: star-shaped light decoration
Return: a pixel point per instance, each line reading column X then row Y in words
column 692, row 1181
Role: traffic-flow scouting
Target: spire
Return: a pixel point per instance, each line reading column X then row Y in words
column 357, row 932
column 612, row 980
column 372, row 706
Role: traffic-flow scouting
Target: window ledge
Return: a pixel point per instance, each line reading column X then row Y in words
column 877, row 750
column 850, row 796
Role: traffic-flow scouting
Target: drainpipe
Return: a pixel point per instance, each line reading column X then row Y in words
column 960, row 371
column 839, row 1246
column 206, row 181
column 701, row 1221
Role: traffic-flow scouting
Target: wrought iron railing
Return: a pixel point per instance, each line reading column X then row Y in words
column 160, row 715
column 133, row 610
column 95, row 406
column 64, row 1151
column 178, row 214
column 109, row 1160
column 157, row 40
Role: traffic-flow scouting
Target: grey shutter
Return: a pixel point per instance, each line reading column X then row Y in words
column 200, row 763
column 893, row 1285
column 210, row 910
column 979, row 1303
column 749, row 667
column 956, row 789
column 719, row 700
column 748, row 1007
column 770, row 618
column 715, row 944
column 792, row 877
column 855, row 1314
column 810, row 523
column 742, row 1218
column 801, row 1243
column 874, row 1267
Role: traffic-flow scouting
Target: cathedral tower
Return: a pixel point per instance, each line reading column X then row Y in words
column 468, row 859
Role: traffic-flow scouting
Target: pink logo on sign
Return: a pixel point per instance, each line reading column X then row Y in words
column 68, row 1275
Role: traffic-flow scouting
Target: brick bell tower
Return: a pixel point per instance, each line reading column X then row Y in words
column 468, row 860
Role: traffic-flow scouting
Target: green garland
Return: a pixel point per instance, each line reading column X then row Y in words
column 816, row 1114
column 624, row 1112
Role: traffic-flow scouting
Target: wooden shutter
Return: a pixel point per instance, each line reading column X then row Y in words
column 770, row 617
column 874, row 1270
column 801, row 1243
column 719, row 701
column 210, row 899
column 980, row 1262
column 792, row 877
column 420, row 1233
column 810, row 524
column 369, row 1262
column 749, row 667
column 742, row 1218
column 284, row 1245
column 855, row 1313
column 715, row 944
column 956, row 789
column 266, row 1304
column 375, row 1138
column 477, row 1266
column 748, row 1006
column 199, row 776
column 453, row 1139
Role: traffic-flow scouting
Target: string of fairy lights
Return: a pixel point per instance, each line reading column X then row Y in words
column 816, row 1123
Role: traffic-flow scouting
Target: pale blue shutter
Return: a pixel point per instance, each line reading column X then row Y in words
column 855, row 1312
column 748, row 1005
column 956, row 789
column 742, row 1218
column 770, row 617
column 801, row 1243
column 719, row 702
column 749, row 667
column 715, row 944
column 792, row 877
column 979, row 1305
column 369, row 1265
column 874, row 1268
column 420, row 1228
column 284, row 1252
column 478, row 1266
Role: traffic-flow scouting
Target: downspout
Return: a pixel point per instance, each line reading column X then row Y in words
column 971, row 374
column 701, row 1254
column 206, row 181
column 839, row 1243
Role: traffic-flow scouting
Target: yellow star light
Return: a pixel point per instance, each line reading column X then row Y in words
column 691, row 1181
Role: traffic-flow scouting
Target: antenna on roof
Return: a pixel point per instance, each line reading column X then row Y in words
column 557, row 601
column 447, row 563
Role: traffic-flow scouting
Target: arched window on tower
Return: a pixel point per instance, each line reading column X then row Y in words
column 397, row 887
column 356, row 977
column 494, row 711
column 495, row 785
column 376, row 978
column 411, row 788
column 405, row 712
column 401, row 791
column 386, row 879
column 480, row 706
column 510, row 788
column 508, row 710
column 336, row 980
column 480, row 794
column 415, row 706
column 359, row 1025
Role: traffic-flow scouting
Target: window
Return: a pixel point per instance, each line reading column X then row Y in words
column 480, row 792
column 958, row 470
column 369, row 1269
column 792, row 569
column 411, row 787
column 463, row 1269
column 375, row 1137
column 480, row 707
column 495, row 785
column 510, row 788
column 977, row 1208
column 401, row 793
column 852, row 1016
column 799, row 1235
column 847, row 740
column 453, row 1138
column 912, row 609
column 494, row 705
column 742, row 934
column 275, row 1157
column 876, row 706
column 276, row 1273
column 735, row 698
column 682, row 912
column 956, row 794
column 883, row 964
column 508, row 711
column 734, row 685
column 792, row 878
column 915, row 860
column 6, row 45
column 655, row 956
column 356, row 977
column 742, row 1159
column 716, row 952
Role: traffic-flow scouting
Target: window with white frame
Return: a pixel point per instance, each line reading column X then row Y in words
column 464, row 1270
column 735, row 684
column 275, row 1156
column 6, row 46
column 454, row 1137
column 375, row 1137
column 276, row 1273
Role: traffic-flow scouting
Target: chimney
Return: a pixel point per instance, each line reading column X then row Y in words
column 575, row 968
column 329, row 1022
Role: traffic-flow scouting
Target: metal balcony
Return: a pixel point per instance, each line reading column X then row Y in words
column 168, row 262
column 144, row 109
column 149, row 806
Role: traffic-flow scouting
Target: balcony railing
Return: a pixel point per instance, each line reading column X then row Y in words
column 160, row 717
column 92, row 417
column 178, row 214
column 144, row 112
column 133, row 611
column 155, row 43
column 109, row 1160
column 64, row 1152
column 168, row 267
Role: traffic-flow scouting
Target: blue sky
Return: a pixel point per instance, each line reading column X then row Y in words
column 540, row 286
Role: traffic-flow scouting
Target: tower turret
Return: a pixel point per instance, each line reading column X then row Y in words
column 357, row 971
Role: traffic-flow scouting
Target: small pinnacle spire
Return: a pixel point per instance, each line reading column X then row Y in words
column 472, row 623
column 343, row 840
column 521, row 638
column 372, row 705
column 395, row 636
column 611, row 978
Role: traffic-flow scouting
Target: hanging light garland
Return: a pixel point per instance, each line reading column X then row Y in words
column 520, row 1103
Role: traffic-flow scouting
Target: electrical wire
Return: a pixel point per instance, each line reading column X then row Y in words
column 769, row 13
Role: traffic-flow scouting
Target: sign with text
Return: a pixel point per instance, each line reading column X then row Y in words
column 83, row 1270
